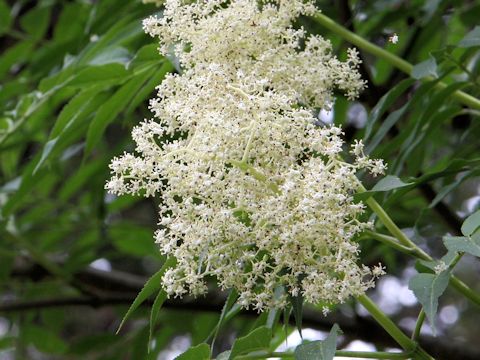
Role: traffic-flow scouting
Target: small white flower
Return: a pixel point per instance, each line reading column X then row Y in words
column 393, row 39
column 440, row 267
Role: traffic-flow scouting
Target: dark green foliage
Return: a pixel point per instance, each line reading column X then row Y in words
column 76, row 76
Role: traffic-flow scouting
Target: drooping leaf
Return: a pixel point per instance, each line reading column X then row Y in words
column 153, row 284
column 425, row 68
column 319, row 350
column 108, row 111
column 427, row 289
column 199, row 352
column 471, row 224
column 389, row 122
column 227, row 307
column 157, row 304
column 297, row 308
column 384, row 103
column 471, row 39
column 258, row 339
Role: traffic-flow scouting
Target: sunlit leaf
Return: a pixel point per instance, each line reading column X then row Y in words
column 427, row 289
column 258, row 339
column 319, row 350
column 199, row 352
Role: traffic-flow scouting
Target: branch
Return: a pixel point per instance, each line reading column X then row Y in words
column 393, row 59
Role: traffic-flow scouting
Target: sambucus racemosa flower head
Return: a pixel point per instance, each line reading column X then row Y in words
column 253, row 192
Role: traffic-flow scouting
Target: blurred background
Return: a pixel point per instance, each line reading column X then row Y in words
column 76, row 76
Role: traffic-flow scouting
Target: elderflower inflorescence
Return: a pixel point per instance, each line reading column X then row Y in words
column 254, row 192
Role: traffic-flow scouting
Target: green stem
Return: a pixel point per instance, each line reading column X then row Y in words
column 265, row 355
column 394, row 229
column 415, row 351
column 393, row 59
column 418, row 325
column 373, row 354
column 343, row 353
column 390, row 241
column 403, row 340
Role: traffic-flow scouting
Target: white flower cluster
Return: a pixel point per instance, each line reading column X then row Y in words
column 254, row 192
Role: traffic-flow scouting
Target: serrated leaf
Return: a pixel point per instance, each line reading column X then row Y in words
column 258, row 339
column 471, row 39
column 199, row 352
column 153, row 284
column 425, row 68
column 319, row 350
column 427, row 289
column 467, row 244
column 471, row 224
column 157, row 304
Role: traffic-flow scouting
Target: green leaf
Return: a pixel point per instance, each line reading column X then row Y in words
column 112, row 54
column 427, row 289
column 107, row 113
column 224, row 355
column 471, row 224
column 157, row 304
column 36, row 21
column 132, row 239
column 384, row 104
column 146, row 56
column 387, row 124
column 258, row 339
column 471, row 39
column 99, row 75
column 47, row 149
column 319, row 350
column 388, row 183
column 425, row 68
column 44, row 339
column 468, row 244
column 154, row 79
column 5, row 17
column 72, row 110
column 153, row 284
column 199, row 352
column 297, row 306
column 227, row 307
